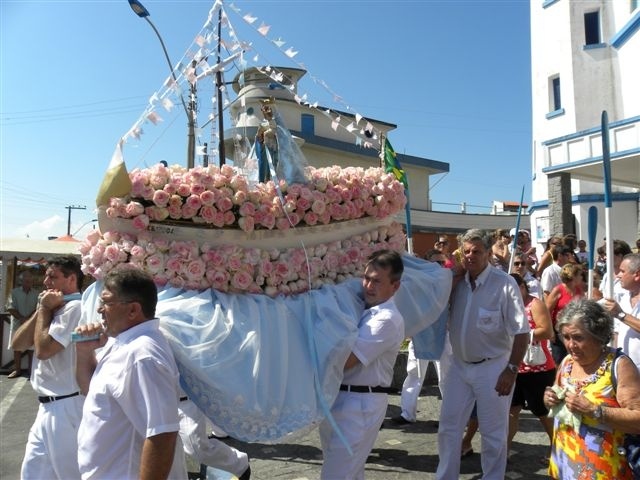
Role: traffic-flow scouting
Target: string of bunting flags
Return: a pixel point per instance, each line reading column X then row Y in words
column 194, row 67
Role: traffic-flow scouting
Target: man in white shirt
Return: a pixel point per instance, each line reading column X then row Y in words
column 51, row 450
column 130, row 421
column 22, row 304
column 561, row 255
column 361, row 404
column 489, row 334
column 620, row 249
column 626, row 308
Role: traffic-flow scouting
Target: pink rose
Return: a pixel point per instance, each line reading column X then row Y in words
column 241, row 280
column 195, row 270
column 157, row 214
column 138, row 252
column 218, row 219
column 246, row 224
column 303, row 204
column 214, row 258
column 155, row 263
column 229, row 218
column 310, row 218
column 113, row 254
column 188, row 212
column 283, row 223
column 141, row 222
column 161, row 198
column 174, row 265
column 224, row 203
column 175, row 211
column 239, row 197
column 269, row 221
column 194, row 202
column 218, row 279
column 197, row 189
column 247, row 209
column 208, row 197
column 134, row 208
column 208, row 213
column 184, row 190
column 318, row 206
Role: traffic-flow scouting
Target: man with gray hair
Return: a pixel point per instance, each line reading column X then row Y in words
column 626, row 310
column 22, row 304
column 489, row 333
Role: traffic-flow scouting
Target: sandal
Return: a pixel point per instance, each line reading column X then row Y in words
column 15, row 374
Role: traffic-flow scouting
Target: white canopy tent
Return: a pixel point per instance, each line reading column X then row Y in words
column 14, row 250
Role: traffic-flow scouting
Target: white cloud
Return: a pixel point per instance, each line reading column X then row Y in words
column 52, row 226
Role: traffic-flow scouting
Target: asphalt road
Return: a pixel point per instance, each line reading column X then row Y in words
column 408, row 452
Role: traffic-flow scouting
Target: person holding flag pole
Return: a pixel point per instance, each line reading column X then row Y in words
column 606, row 164
column 389, row 161
column 514, row 246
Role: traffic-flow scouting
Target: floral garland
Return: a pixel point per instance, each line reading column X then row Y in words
column 186, row 264
column 222, row 198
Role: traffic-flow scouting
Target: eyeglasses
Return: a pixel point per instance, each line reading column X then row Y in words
column 518, row 264
column 103, row 304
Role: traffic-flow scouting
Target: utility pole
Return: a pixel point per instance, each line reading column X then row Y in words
column 72, row 207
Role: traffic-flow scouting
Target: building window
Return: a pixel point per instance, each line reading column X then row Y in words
column 556, row 104
column 592, row 28
column 307, row 124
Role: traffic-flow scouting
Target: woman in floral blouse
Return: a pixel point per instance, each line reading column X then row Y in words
column 591, row 414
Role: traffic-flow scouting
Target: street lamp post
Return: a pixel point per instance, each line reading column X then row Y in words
column 142, row 12
column 84, row 225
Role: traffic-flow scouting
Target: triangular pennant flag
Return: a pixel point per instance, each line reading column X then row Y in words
column 264, row 29
column 290, row 52
column 279, row 42
column 154, row 118
column 249, row 19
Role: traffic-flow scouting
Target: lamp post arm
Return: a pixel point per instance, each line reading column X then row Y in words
column 190, row 121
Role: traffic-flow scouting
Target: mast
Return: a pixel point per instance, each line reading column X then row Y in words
column 219, row 95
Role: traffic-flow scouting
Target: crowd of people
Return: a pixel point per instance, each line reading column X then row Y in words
column 570, row 386
column 99, row 414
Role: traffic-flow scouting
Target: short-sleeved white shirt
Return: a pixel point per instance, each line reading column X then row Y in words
column 550, row 277
column 628, row 338
column 380, row 333
column 24, row 302
column 56, row 375
column 483, row 322
column 535, row 289
column 133, row 395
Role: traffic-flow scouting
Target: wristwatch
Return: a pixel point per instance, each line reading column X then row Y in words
column 512, row 367
column 621, row 315
column 597, row 413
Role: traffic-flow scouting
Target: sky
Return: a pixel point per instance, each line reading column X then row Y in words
column 453, row 75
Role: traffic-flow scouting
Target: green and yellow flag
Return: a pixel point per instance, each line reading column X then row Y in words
column 392, row 165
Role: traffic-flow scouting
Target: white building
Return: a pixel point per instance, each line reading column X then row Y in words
column 585, row 59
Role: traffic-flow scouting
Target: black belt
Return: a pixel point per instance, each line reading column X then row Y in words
column 367, row 389
column 184, row 399
column 479, row 361
column 53, row 399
